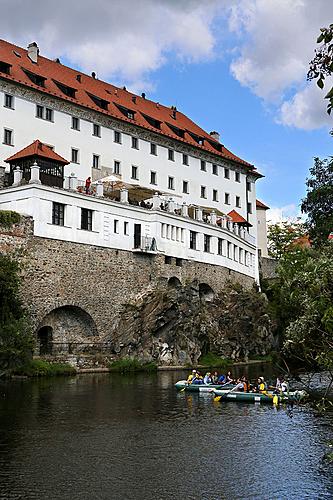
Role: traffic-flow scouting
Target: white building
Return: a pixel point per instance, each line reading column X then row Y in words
column 101, row 130
column 262, row 245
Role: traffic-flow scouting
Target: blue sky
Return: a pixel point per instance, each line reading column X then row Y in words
column 235, row 66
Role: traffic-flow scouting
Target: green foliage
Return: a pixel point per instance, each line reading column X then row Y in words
column 127, row 365
column 15, row 333
column 321, row 65
column 8, row 218
column 213, row 361
column 281, row 237
column 301, row 300
column 40, row 368
column 318, row 203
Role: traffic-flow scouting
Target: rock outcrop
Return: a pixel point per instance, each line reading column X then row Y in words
column 175, row 325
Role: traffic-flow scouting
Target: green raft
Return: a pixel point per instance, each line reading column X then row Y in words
column 255, row 397
column 184, row 385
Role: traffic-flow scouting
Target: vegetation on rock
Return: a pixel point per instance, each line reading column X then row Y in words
column 8, row 218
column 16, row 341
column 41, row 368
column 127, row 365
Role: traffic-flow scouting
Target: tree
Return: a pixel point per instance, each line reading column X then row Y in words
column 15, row 334
column 318, row 203
column 321, row 65
column 281, row 237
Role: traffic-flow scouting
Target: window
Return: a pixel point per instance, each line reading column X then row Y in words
column 238, row 203
column 44, row 113
column 8, row 137
column 153, row 178
column 203, row 165
column 249, row 208
column 185, row 159
column 171, row 183
column 203, row 192
column 215, row 195
column 237, row 176
column 5, row 67
column 9, row 101
column 116, row 167
column 58, row 214
column 248, row 186
column 214, row 169
column 220, row 246
column 117, row 137
column 185, row 187
column 193, row 240
column 95, row 161
column 116, row 226
column 167, row 259
column 49, row 114
column 75, row 123
column 69, row 91
column 96, row 130
column 206, row 243
column 36, row 79
column 135, row 174
column 179, row 262
column 75, row 155
column 171, row 155
column 153, row 149
column 135, row 143
column 86, row 219
column 227, row 198
column 126, row 228
column 227, row 173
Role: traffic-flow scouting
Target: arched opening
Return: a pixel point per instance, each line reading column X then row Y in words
column 206, row 293
column 174, row 282
column 44, row 337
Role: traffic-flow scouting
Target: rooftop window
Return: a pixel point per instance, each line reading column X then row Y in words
column 5, row 67
column 98, row 101
column 129, row 113
column 216, row 145
column 197, row 138
column 36, row 79
column 69, row 91
column 176, row 130
column 152, row 121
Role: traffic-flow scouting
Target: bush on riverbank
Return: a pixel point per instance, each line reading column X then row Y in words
column 16, row 342
column 213, row 361
column 127, row 365
column 41, row 368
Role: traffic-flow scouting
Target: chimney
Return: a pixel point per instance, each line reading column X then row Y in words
column 33, row 52
column 215, row 135
column 93, row 74
column 143, row 95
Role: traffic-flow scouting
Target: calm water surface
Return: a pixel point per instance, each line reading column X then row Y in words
column 133, row 437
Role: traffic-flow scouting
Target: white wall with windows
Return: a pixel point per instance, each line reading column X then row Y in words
column 88, row 144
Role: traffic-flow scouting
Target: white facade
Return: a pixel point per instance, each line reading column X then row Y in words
column 113, row 225
column 262, row 232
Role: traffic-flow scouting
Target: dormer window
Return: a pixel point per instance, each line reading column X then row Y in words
column 197, row 138
column 176, row 130
column 36, row 79
column 5, row 67
column 152, row 122
column 99, row 102
column 216, row 145
column 69, row 91
column 129, row 113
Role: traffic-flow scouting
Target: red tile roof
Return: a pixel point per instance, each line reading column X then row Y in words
column 40, row 150
column 236, row 217
column 86, row 89
column 260, row 204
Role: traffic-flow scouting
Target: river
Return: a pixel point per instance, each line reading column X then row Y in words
column 111, row 436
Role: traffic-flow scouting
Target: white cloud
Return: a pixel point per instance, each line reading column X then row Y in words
column 277, row 42
column 126, row 40
column 289, row 213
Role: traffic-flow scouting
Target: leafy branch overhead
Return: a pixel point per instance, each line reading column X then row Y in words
column 321, row 65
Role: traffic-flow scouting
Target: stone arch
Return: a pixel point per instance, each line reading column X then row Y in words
column 206, row 292
column 174, row 282
column 44, row 340
column 70, row 327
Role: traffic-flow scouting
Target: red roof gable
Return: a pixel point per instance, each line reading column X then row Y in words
column 260, row 204
column 86, row 89
column 236, row 217
column 40, row 150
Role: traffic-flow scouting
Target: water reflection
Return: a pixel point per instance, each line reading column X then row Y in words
column 134, row 437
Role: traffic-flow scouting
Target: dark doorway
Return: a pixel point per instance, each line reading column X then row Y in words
column 137, row 235
column 44, row 337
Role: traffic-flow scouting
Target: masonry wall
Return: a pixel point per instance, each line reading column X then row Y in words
column 98, row 281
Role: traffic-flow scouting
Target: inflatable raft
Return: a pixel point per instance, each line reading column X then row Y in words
column 184, row 385
column 255, row 397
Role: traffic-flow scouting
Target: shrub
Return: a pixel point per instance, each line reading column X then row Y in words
column 40, row 368
column 8, row 218
column 213, row 361
column 127, row 365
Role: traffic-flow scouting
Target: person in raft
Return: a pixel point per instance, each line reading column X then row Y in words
column 229, row 378
column 262, row 386
column 191, row 376
column 207, row 379
column 197, row 379
column 221, row 380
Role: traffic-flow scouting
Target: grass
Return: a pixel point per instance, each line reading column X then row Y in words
column 214, row 361
column 267, row 357
column 128, row 365
column 40, row 368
